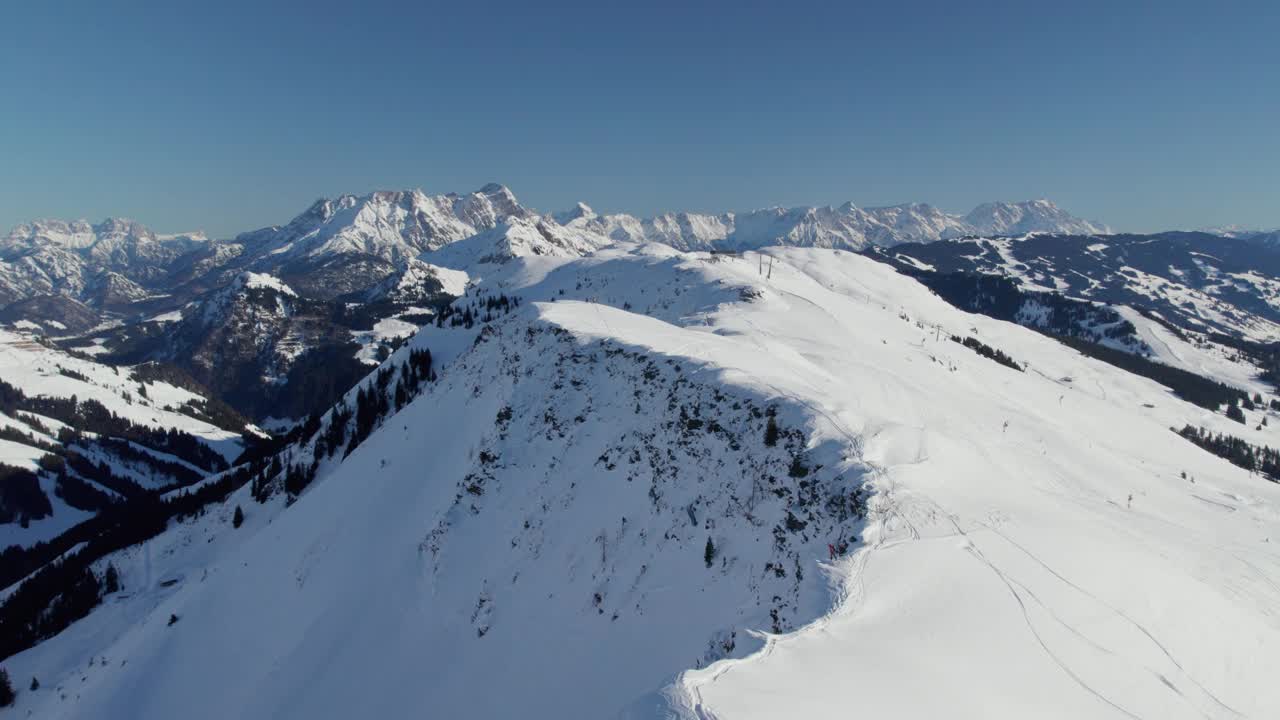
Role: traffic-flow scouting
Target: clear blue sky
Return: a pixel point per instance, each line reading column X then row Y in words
column 226, row 116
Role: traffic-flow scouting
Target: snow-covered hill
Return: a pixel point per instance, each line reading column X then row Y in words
column 667, row 484
column 56, row 404
column 517, row 238
column 418, row 282
column 1199, row 282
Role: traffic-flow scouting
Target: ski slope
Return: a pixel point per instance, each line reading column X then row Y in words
column 527, row 537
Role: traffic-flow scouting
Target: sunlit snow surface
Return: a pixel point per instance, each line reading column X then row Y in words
column 1032, row 551
column 40, row 370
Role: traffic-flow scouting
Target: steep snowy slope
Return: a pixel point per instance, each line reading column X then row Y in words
column 591, row 499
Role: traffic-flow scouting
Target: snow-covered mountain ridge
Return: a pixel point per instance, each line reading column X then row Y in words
column 846, row 227
column 587, row 515
column 394, row 254
column 350, row 242
column 114, row 238
column 73, row 259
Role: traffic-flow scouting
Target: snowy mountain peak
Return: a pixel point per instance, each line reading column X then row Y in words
column 489, row 206
column 74, row 235
column 1020, row 218
column 579, row 212
column 122, row 227
column 493, row 189
column 393, row 226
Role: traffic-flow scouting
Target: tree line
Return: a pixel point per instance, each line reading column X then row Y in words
column 1236, row 451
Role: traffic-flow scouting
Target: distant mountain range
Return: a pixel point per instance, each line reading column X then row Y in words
column 349, row 243
column 846, row 227
column 335, row 283
column 344, row 282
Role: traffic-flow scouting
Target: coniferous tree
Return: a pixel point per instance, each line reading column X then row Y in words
column 1235, row 413
column 771, row 432
column 798, row 469
column 709, row 552
column 238, row 518
column 6, row 690
column 296, row 479
column 258, row 488
column 35, row 684
column 112, row 581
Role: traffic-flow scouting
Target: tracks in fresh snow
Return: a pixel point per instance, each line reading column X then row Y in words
column 1134, row 624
